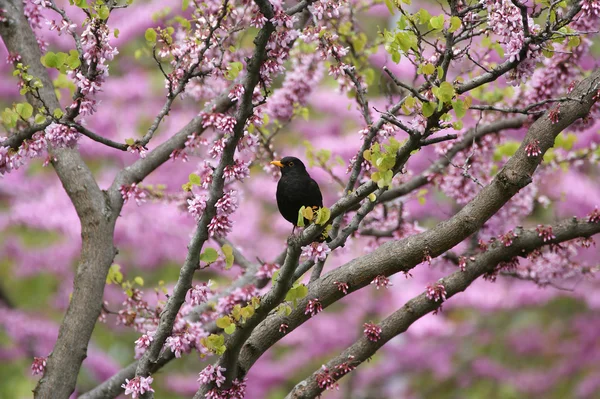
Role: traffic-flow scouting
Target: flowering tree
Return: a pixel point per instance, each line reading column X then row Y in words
column 452, row 142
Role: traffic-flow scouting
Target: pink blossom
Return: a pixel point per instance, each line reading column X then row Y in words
column 266, row 270
column 137, row 386
column 381, row 281
column 227, row 204
column 545, row 232
column 199, row 293
column 212, row 374
column 178, row 343
column 372, row 331
column 61, row 135
column 313, row 307
column 38, row 366
column 238, row 171
column 326, row 380
column 436, row 292
column 135, row 192
column 316, row 251
column 283, row 328
column 196, row 206
column 533, row 148
column 341, row 286
column 220, row 226
column 143, row 343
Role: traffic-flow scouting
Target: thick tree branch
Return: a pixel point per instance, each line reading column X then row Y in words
column 97, row 225
column 413, row 310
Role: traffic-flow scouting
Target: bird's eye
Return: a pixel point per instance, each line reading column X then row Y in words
column 291, row 163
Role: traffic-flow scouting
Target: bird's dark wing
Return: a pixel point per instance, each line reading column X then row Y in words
column 316, row 198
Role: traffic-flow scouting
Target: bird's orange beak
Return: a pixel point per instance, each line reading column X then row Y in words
column 277, row 163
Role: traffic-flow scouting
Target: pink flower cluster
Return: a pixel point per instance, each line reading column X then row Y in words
column 326, row 380
column 61, row 136
column 381, row 281
column 505, row 20
column 143, row 343
column 237, row 391
column 436, row 292
column 38, row 366
column 545, row 232
column 316, row 251
column 266, row 270
column 11, row 160
column 313, row 307
column 137, row 386
column 135, row 192
column 372, row 331
column 239, row 296
column 199, row 293
column 212, row 374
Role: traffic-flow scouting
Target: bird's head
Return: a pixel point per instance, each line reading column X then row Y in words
column 289, row 165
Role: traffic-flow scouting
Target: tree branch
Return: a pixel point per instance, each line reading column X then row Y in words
column 413, row 310
column 97, row 225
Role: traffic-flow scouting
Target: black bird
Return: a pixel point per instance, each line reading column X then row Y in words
column 296, row 189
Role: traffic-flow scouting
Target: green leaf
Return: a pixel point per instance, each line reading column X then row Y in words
column 116, row 33
column 372, row 197
column 228, row 252
column 114, row 275
column 437, row 23
column 58, row 113
column 428, row 69
column 390, row 6
column 445, row 92
column 73, row 60
column 195, row 179
column 428, row 109
column 454, row 24
column 150, row 35
column 49, row 60
column 209, row 255
column 406, row 40
column 224, row 322
column 139, row 281
column 103, row 12
column 424, row 16
column 229, row 329
column 130, row 142
column 233, row 70
column 25, row 110
column 300, row 222
column 81, row 3
column 185, row 4
column 459, row 108
column 40, row 118
column 323, row 215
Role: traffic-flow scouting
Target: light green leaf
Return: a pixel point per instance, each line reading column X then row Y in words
column 150, row 35
column 229, row 329
column 228, row 252
column 224, row 322
column 114, row 275
column 139, row 281
column 103, row 12
column 194, row 179
column 209, row 255
column 428, row 109
column 454, row 24
column 437, row 23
